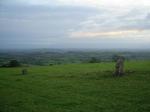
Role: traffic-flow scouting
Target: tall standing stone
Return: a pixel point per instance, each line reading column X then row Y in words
column 119, row 66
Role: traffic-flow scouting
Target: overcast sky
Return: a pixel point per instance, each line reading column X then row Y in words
column 75, row 24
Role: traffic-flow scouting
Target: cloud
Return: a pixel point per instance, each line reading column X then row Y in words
column 39, row 25
column 74, row 22
column 110, row 34
column 89, row 3
column 130, row 23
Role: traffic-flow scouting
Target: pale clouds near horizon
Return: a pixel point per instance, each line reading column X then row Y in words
column 75, row 23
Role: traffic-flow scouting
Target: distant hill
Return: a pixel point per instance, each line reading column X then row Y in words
column 61, row 56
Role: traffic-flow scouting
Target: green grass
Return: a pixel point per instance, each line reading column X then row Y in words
column 76, row 88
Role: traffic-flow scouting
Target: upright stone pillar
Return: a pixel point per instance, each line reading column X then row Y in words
column 119, row 66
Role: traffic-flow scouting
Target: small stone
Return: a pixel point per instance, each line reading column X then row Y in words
column 24, row 72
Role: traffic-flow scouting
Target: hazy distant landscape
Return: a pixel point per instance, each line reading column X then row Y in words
column 63, row 56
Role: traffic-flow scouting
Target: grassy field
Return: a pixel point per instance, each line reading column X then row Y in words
column 76, row 88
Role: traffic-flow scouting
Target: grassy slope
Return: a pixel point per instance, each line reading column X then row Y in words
column 76, row 88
